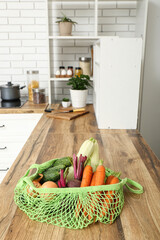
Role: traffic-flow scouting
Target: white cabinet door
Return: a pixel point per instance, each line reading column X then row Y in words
column 118, row 91
column 14, row 132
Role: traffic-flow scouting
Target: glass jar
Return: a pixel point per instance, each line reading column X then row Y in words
column 70, row 68
column 39, row 96
column 78, row 71
column 33, row 82
column 85, row 64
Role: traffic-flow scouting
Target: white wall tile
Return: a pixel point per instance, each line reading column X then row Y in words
column 3, row 5
column 3, row 35
column 126, row 20
column 22, row 50
column 9, row 13
column 115, row 12
column 21, row 35
column 20, row 5
column 4, row 64
column 126, row 4
column 21, row 21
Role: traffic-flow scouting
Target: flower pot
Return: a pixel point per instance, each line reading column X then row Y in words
column 65, row 28
column 66, row 104
column 79, row 98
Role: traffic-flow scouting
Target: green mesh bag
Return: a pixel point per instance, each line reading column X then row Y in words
column 73, row 208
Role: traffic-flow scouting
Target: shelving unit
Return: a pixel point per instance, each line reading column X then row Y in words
column 105, row 80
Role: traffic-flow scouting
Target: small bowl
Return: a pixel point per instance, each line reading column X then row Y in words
column 66, row 104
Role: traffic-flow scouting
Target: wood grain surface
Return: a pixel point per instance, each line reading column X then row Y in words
column 121, row 150
column 28, row 107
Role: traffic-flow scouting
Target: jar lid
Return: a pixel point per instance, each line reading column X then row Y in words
column 37, row 90
column 70, row 66
column 84, row 59
column 61, row 67
column 78, row 68
column 33, row 72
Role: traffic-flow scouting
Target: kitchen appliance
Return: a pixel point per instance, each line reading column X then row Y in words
column 13, row 103
column 10, row 91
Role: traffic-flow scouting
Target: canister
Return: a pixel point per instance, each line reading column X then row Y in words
column 85, row 64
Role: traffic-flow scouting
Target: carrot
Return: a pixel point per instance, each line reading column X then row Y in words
column 109, row 195
column 87, row 176
column 109, row 178
column 93, row 179
column 86, row 180
column 100, row 174
column 97, row 180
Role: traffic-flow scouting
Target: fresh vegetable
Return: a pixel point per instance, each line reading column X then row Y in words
column 53, row 173
column 67, row 161
column 48, row 196
column 87, row 176
column 70, row 174
column 49, row 184
column 100, row 174
column 37, row 184
column 74, row 183
column 93, row 179
column 109, row 196
column 86, row 148
column 62, row 181
column 78, row 170
column 95, row 155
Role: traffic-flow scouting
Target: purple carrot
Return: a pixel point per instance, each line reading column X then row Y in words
column 75, row 165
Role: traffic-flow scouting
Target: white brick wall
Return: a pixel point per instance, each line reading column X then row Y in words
column 23, row 44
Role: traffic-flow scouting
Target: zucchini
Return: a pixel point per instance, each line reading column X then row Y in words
column 67, row 161
column 52, row 173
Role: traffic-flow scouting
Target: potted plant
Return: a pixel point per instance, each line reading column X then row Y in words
column 65, row 102
column 79, row 90
column 65, row 25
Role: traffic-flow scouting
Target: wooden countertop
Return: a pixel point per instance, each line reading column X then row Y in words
column 28, row 107
column 122, row 150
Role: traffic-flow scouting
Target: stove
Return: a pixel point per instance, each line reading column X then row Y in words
column 14, row 103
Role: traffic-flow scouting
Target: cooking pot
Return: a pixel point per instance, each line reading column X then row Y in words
column 10, row 91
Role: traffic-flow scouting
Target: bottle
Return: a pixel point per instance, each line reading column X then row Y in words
column 33, row 82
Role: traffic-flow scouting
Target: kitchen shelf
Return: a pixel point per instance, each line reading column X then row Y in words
column 74, row 37
column 63, row 79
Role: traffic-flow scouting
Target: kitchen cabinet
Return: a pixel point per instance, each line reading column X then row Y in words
column 117, row 65
column 15, row 129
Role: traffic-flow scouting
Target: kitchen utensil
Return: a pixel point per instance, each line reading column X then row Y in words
column 66, row 115
column 49, row 110
column 10, row 91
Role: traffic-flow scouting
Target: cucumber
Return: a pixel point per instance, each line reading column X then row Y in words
column 67, row 161
column 52, row 176
column 52, row 173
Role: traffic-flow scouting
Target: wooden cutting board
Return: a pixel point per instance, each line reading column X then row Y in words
column 67, row 116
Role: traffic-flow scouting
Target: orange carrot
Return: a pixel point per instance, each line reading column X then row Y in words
column 93, row 179
column 100, row 174
column 86, row 180
column 97, row 180
column 109, row 178
column 109, row 195
column 87, row 176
